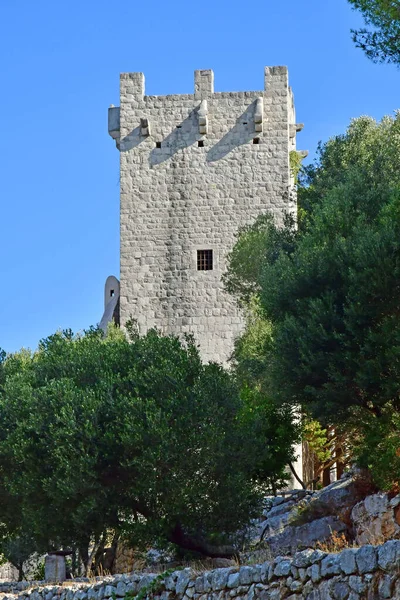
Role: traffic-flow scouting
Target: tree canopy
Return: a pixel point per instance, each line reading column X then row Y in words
column 132, row 436
column 330, row 289
column 381, row 41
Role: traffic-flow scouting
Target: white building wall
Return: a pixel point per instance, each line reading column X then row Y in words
column 180, row 198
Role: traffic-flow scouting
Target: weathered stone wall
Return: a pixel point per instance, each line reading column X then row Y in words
column 124, row 559
column 192, row 193
column 369, row 572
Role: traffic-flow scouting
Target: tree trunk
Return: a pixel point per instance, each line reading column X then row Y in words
column 187, row 542
column 326, row 475
column 96, row 546
column 339, row 461
column 74, row 562
column 291, row 467
column 84, row 556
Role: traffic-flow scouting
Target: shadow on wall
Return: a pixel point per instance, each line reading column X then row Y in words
column 187, row 133
column 240, row 134
column 133, row 139
column 183, row 136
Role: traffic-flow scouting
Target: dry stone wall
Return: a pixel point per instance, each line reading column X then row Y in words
column 193, row 169
column 366, row 573
column 124, row 559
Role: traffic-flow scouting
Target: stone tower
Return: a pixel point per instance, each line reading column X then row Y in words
column 195, row 168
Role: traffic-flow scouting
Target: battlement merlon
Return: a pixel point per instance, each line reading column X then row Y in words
column 276, row 78
column 203, row 84
column 132, row 85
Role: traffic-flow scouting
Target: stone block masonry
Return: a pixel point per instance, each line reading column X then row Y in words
column 366, row 573
column 193, row 169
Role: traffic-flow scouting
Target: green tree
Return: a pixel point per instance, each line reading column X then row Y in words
column 381, row 42
column 334, row 300
column 18, row 550
column 136, row 437
column 332, row 297
column 276, row 426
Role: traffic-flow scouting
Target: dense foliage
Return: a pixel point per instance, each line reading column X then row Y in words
column 381, row 42
column 330, row 289
column 136, row 437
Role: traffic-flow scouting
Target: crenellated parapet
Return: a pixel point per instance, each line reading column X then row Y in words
column 204, row 100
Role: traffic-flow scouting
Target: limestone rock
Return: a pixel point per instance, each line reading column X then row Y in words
column 385, row 587
column 280, row 508
column 183, row 581
column 282, row 568
column 348, row 561
column 389, row 555
column 233, row 580
column 340, row 590
column 220, row 578
column 366, row 559
column 330, row 565
column 304, row 536
column 337, row 495
column 274, row 525
column 245, row 575
column 375, row 519
column 121, row 589
column 303, row 559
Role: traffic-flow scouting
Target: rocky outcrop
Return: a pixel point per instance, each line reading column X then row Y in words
column 303, row 518
column 292, row 539
column 376, row 519
column 338, row 494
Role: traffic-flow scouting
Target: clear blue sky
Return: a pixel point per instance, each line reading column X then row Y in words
column 60, row 65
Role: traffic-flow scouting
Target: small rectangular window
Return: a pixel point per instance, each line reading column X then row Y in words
column 200, row 144
column 256, row 140
column 158, row 144
column 204, row 260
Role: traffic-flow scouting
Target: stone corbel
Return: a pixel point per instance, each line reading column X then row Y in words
column 295, row 128
column 203, row 118
column 144, row 127
column 302, row 153
column 258, row 115
column 114, row 123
